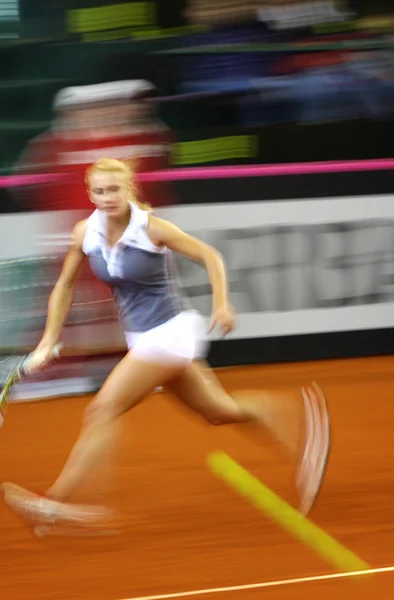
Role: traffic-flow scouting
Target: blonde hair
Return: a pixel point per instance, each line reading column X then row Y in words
column 112, row 165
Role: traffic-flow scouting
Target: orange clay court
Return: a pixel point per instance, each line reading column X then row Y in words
column 185, row 530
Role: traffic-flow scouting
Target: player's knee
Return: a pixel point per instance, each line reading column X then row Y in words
column 217, row 422
column 99, row 412
column 226, row 412
column 227, row 417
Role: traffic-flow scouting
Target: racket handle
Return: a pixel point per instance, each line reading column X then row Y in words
column 30, row 359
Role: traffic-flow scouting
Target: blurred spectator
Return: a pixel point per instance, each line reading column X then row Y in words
column 278, row 14
column 115, row 119
column 293, row 14
column 221, row 12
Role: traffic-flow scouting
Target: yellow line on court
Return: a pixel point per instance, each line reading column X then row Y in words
column 265, row 500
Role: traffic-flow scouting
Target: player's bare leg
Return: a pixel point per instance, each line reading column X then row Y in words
column 126, row 387
column 299, row 423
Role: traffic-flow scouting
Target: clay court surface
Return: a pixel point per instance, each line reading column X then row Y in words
column 186, row 531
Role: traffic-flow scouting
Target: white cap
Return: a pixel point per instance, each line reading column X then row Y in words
column 102, row 92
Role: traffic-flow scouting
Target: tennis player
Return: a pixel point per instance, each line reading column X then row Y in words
column 130, row 250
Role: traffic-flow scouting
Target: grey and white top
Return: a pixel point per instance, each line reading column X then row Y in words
column 139, row 273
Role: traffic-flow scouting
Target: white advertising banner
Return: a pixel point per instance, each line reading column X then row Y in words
column 298, row 267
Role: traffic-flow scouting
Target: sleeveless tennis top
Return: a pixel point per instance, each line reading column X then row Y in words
column 140, row 275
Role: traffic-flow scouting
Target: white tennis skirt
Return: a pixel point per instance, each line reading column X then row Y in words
column 182, row 339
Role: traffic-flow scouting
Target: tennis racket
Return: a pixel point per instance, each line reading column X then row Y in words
column 13, row 370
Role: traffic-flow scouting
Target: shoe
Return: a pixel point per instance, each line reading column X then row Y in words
column 44, row 514
column 317, row 444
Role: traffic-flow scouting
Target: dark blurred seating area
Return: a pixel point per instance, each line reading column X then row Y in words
column 309, row 80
